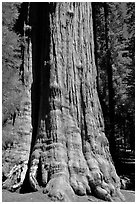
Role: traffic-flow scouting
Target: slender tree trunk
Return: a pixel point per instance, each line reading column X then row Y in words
column 110, row 87
column 95, row 8
column 69, row 151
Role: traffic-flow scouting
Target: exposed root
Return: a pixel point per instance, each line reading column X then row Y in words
column 34, row 170
column 62, row 185
column 61, row 181
column 16, row 177
column 77, row 185
column 120, row 195
column 102, row 194
column 58, row 189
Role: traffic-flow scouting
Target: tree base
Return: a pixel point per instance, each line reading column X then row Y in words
column 61, row 188
column 58, row 189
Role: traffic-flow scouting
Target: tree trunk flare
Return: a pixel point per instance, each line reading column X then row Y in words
column 69, row 151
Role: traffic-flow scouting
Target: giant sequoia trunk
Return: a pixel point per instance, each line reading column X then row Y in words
column 69, row 151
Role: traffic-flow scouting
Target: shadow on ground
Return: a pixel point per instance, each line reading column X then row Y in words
column 40, row 197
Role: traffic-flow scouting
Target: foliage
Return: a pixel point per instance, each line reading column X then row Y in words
column 121, row 41
column 7, row 140
column 11, row 60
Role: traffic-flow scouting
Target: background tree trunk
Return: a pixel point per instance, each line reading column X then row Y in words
column 69, row 151
column 110, row 87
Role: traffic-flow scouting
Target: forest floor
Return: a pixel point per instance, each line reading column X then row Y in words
column 39, row 197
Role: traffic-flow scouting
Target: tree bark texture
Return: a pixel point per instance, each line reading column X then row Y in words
column 69, row 151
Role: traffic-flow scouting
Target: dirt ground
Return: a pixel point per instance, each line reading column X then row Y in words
column 40, row 197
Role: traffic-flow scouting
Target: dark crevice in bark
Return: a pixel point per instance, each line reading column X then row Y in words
column 54, row 47
column 75, row 85
column 84, row 124
column 39, row 15
column 39, row 174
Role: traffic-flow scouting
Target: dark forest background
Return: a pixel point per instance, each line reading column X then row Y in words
column 114, row 39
